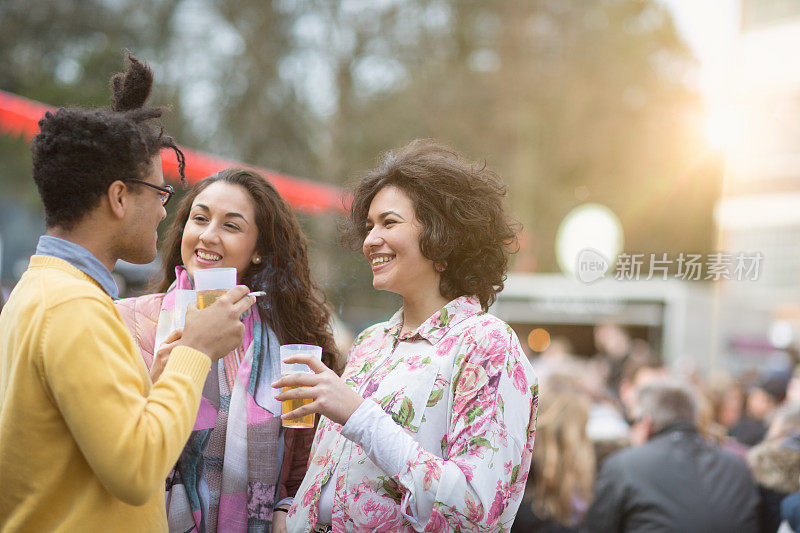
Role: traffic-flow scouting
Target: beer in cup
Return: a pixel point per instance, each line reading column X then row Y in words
column 287, row 350
column 212, row 283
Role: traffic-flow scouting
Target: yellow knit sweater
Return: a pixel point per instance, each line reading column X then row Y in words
column 86, row 440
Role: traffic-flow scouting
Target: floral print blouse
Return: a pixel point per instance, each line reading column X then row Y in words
column 463, row 390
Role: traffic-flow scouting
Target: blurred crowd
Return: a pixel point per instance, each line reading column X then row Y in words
column 625, row 443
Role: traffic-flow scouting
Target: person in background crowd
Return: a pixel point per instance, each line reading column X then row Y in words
column 762, row 399
column 431, row 426
column 638, row 371
column 87, row 439
column 677, row 480
column 775, row 464
column 553, row 359
column 706, row 423
column 613, row 345
column 790, row 513
column 727, row 398
column 793, row 388
column 721, row 402
column 562, row 474
column 240, row 469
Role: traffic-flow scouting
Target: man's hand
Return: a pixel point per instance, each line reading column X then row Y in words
column 160, row 358
column 332, row 397
column 217, row 330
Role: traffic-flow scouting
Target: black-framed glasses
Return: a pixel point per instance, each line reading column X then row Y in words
column 165, row 192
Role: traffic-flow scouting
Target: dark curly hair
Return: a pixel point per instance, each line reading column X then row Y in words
column 460, row 205
column 80, row 152
column 294, row 307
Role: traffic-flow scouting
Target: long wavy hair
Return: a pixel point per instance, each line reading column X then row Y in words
column 294, row 307
column 563, row 467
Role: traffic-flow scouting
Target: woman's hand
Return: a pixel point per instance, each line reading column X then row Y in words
column 160, row 359
column 278, row 522
column 332, row 397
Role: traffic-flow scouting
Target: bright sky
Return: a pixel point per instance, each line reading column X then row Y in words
column 711, row 29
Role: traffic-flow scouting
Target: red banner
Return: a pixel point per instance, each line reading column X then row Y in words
column 20, row 116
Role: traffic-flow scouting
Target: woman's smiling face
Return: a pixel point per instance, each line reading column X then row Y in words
column 221, row 230
column 392, row 245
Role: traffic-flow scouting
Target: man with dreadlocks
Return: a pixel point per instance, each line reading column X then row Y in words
column 87, row 439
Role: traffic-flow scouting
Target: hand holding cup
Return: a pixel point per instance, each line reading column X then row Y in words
column 323, row 391
column 217, row 330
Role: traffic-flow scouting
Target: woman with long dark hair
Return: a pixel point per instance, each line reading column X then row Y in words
column 240, row 468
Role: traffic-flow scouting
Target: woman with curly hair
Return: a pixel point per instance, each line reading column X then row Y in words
column 240, row 468
column 431, row 425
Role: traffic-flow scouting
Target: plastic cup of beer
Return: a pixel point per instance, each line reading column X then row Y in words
column 288, row 350
column 212, row 283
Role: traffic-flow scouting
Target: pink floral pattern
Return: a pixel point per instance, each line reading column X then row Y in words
column 461, row 386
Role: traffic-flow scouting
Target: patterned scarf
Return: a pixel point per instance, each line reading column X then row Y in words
column 227, row 476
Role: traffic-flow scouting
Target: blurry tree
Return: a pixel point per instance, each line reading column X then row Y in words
column 62, row 52
column 570, row 101
column 230, row 60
